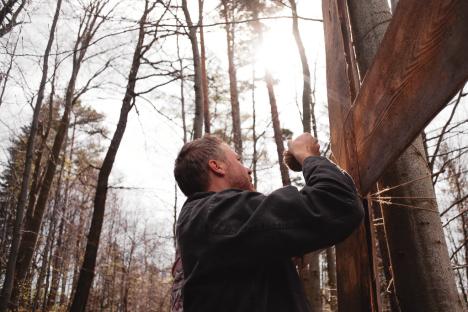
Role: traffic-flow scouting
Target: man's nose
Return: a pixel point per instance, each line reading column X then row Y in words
column 249, row 170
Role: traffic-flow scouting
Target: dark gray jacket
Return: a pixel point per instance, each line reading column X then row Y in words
column 236, row 245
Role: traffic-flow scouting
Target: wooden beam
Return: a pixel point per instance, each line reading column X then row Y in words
column 357, row 289
column 419, row 67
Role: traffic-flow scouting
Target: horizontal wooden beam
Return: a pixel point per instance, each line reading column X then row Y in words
column 421, row 63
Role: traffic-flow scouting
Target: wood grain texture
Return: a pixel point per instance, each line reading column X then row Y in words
column 356, row 285
column 420, row 65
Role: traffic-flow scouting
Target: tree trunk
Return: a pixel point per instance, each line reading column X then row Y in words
column 29, row 238
column 87, row 270
column 277, row 130
column 15, row 245
column 416, row 241
column 310, row 276
column 331, row 272
column 57, row 261
column 182, row 91
column 228, row 13
column 307, row 90
column 198, row 120
column 254, row 132
column 50, row 237
column 204, row 78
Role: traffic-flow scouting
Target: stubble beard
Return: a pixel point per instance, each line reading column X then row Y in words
column 242, row 182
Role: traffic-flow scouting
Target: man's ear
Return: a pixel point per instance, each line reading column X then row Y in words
column 217, row 167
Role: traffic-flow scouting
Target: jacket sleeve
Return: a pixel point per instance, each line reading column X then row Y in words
column 286, row 222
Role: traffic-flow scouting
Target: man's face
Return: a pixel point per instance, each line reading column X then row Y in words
column 237, row 174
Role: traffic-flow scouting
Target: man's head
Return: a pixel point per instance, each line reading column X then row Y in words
column 209, row 164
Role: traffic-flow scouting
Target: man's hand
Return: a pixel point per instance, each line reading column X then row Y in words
column 299, row 149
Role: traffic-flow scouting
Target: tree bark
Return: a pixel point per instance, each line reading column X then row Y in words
column 192, row 34
column 15, row 246
column 228, row 13
column 87, row 270
column 416, row 241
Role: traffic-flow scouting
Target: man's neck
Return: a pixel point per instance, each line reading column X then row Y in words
column 218, row 186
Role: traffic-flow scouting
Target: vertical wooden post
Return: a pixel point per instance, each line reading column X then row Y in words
column 357, row 290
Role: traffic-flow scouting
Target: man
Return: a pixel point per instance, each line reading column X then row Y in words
column 236, row 245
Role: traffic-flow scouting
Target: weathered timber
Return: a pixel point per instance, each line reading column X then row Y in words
column 415, row 237
column 413, row 76
column 355, row 274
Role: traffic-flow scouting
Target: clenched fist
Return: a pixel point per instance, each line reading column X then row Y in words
column 299, row 149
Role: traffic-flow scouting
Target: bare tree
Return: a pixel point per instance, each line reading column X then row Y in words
column 86, row 276
column 15, row 246
column 89, row 26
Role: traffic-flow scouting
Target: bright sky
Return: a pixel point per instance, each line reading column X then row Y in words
column 150, row 146
column 151, row 142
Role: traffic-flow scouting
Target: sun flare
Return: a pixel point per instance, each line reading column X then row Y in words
column 277, row 53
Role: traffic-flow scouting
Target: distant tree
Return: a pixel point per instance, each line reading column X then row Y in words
column 204, row 77
column 228, row 9
column 86, row 276
column 198, row 87
column 15, row 245
column 90, row 24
